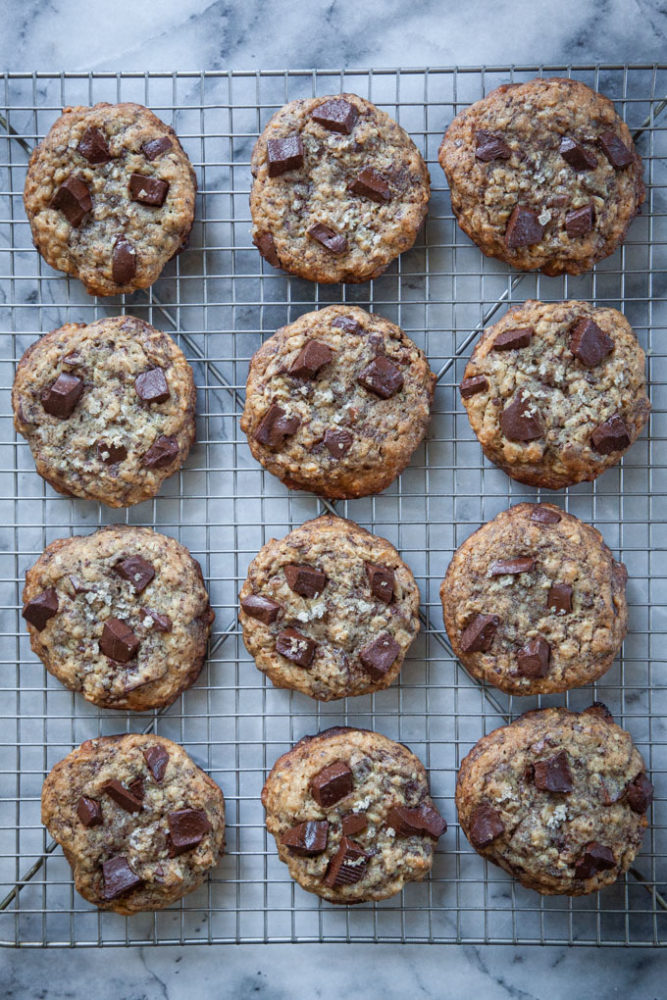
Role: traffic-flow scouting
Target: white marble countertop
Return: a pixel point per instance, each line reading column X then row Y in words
column 242, row 34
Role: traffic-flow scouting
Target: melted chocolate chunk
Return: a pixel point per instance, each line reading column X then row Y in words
column 311, row 358
column 533, row 659
column 478, row 636
column 266, row 245
column 40, row 609
column 520, row 421
column 512, row 567
column 262, row 608
column 579, row 221
column 307, row 839
column 156, row 758
column 610, row 436
column 348, row 324
column 62, row 396
column 338, row 115
column 307, row 581
column 490, row 146
column 156, row 147
column 111, row 453
column 512, row 340
column 187, row 828
column 89, row 811
column 123, row 261
column 137, row 571
column 151, row 386
column 485, row 825
column 589, row 344
column 296, row 646
column 381, row 579
column 161, row 452
column 126, row 798
column 118, row 641
column 553, row 775
column 382, row 377
column 639, row 793
column 599, row 709
column 73, row 199
column 163, row 623
column 275, row 426
column 472, row 385
column 284, row 154
column 328, row 237
column 379, row 656
column 560, row 598
column 577, row 155
column 118, row 877
column 93, row 145
column 370, row 183
column 148, row 190
column 422, row 820
column 615, row 150
column 347, row 866
column 354, row 823
column 596, row 858
column 331, row 784
column 523, row 228
column 338, row 441
column 544, row 515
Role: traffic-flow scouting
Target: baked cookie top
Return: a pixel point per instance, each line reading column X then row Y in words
column 543, row 175
column 138, row 821
column 110, row 196
column 556, row 391
column 108, row 409
column 337, row 402
column 534, row 601
column 557, row 798
column 329, row 610
column 121, row 615
column 352, row 815
column 339, row 189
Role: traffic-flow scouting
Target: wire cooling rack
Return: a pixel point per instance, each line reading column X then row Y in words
column 220, row 301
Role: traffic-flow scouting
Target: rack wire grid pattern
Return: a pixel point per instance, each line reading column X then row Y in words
column 219, row 300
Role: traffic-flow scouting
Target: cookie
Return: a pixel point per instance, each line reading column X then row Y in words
column 543, row 175
column 140, row 824
column 352, row 815
column 534, row 601
column 339, row 189
column 329, row 610
column 557, row 798
column 110, row 196
column 121, row 615
column 556, row 392
column 337, row 402
column 108, row 409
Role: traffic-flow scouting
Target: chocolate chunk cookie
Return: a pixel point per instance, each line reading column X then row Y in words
column 110, row 196
column 556, row 392
column 337, row 402
column 352, row 815
column 140, row 824
column 108, row 409
column 121, row 615
column 557, row 798
column 340, row 189
column 535, row 602
column 330, row 610
column 543, row 175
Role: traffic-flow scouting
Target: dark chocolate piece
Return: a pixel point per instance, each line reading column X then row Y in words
column 347, row 866
column 93, row 145
column 478, row 636
column 111, row 453
column 589, row 343
column 348, row 324
column 354, row 823
column 148, row 190
column 379, row 656
column 338, row 115
column 599, row 709
column 156, row 147
column 615, row 150
column 40, row 609
column 485, row 825
column 307, row 839
column 579, row 221
column 284, row 154
column 577, row 155
column 328, row 237
column 472, row 385
column 381, row 579
column 275, row 426
column 331, row 784
column 187, row 828
column 596, row 858
column 62, row 396
column 490, row 146
column 266, row 245
column 156, row 758
column 338, row 441
column 370, row 183
column 118, row 641
column 512, row 567
column 382, row 377
column 163, row 623
column 533, row 659
column 610, row 436
column 307, row 581
column 639, row 793
column 553, row 775
column 89, row 811
column 296, row 646
column 161, row 452
column 118, row 877
column 126, row 798
column 123, row 261
column 422, row 820
column 151, row 386
column 523, row 228
column 311, row 358
column 73, row 199
column 262, row 608
column 520, row 421
column 137, row 571
column 512, row 340
column 559, row 598
column 544, row 515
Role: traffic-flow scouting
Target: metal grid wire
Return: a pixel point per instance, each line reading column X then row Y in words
column 220, row 301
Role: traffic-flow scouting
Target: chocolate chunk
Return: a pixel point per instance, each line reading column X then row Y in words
column 523, row 228
column 77, row 586
column 596, row 858
column 379, row 656
column 338, row 441
column 275, row 426
column 111, row 453
column 156, row 147
column 137, row 788
column 490, row 146
column 354, row 823
column 311, row 358
column 123, row 261
column 615, row 150
column 478, row 636
column 348, row 324
column 381, row 579
column 148, row 190
column 307, row 581
column 472, row 385
column 73, row 359
column 89, row 811
column 40, row 609
column 93, row 145
column 560, row 598
column 579, row 221
column 137, row 571
column 577, row 155
column 331, row 784
column 296, row 647
column 533, row 659
column 187, row 828
column 151, row 386
column 118, row 641
column 599, row 709
column 124, row 797
column 512, row 567
column 284, row 154
column 512, row 340
column 370, row 183
column 554, row 775
column 62, row 396
column 118, row 877
column 589, row 343
column 156, row 758
column 423, row 819
column 338, row 115
column 382, row 377
column 640, row 793
column 328, row 237
column 520, row 421
column 307, row 839
column 163, row 623
column 610, row 436
column 161, row 452
column 485, row 825
column 262, row 608
column 544, row 515
column 347, row 866
column 73, row 199
column 267, row 247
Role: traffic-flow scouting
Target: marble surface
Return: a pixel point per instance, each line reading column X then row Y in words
column 242, row 34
